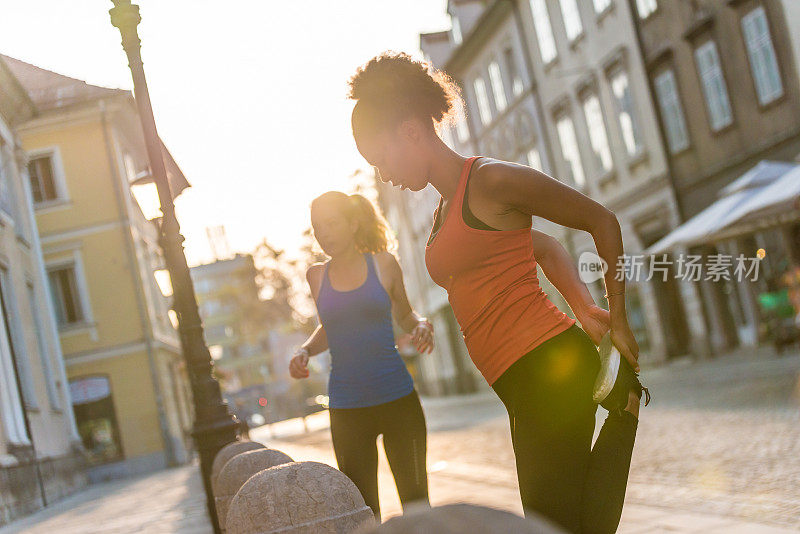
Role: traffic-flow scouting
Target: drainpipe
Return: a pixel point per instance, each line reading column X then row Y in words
column 662, row 131
column 141, row 302
column 537, row 102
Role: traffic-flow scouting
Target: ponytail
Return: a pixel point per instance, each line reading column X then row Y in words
column 373, row 234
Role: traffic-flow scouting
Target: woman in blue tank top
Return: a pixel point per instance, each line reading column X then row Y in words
column 357, row 293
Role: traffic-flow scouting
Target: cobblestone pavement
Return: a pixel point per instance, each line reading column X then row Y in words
column 718, row 451
column 169, row 501
column 719, row 444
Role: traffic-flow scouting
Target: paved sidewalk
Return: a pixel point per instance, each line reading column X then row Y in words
column 490, row 486
column 170, row 501
column 718, row 451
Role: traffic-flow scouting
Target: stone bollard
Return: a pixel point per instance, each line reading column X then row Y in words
column 236, row 472
column 459, row 519
column 298, row 498
column 226, row 453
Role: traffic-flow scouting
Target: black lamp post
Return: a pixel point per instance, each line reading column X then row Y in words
column 214, row 426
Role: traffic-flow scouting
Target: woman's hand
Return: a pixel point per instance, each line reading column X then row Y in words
column 298, row 365
column 622, row 338
column 595, row 321
column 422, row 337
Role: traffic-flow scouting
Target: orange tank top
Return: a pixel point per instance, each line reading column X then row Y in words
column 491, row 282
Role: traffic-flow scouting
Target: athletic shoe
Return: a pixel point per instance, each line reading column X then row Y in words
column 616, row 378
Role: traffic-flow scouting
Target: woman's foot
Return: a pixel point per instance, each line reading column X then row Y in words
column 616, row 379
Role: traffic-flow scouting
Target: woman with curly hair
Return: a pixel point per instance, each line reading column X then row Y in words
column 358, row 293
column 545, row 369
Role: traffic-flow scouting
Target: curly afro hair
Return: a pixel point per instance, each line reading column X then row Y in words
column 393, row 86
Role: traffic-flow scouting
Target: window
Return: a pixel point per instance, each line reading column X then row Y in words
column 216, row 352
column 219, row 331
column 43, row 185
column 447, row 136
column 456, row 31
column 763, row 62
column 626, row 112
column 646, row 7
column 9, row 194
column 95, row 417
column 44, row 352
column 534, row 159
column 572, row 18
column 462, row 130
column 544, row 32
column 601, row 5
column 597, row 132
column 713, row 82
column 66, row 295
column 13, row 338
column 513, row 73
column 671, row 111
column 7, row 200
column 496, row 78
column 484, row 110
column 569, row 149
column 205, row 285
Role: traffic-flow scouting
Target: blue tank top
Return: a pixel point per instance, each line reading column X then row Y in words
column 366, row 368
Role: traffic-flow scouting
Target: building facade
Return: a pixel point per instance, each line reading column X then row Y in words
column 41, row 458
column 560, row 85
column 237, row 329
column 251, row 341
column 121, row 351
column 605, row 136
column 502, row 116
column 724, row 76
column 234, row 320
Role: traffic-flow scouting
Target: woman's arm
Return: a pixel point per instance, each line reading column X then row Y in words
column 318, row 341
column 405, row 316
column 536, row 194
column 559, row 268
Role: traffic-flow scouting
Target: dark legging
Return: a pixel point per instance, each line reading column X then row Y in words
column 548, row 395
column 402, row 423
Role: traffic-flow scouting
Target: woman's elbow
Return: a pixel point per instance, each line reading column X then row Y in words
column 604, row 220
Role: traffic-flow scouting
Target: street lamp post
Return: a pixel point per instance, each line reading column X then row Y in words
column 214, row 426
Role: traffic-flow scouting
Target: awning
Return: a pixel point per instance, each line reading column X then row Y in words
column 783, row 195
column 768, row 189
column 776, row 204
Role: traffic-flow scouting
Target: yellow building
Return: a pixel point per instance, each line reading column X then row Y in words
column 126, row 375
column 40, row 456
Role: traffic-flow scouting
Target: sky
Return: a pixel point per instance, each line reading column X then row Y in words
column 249, row 96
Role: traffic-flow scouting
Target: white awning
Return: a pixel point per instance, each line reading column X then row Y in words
column 765, row 190
column 783, row 195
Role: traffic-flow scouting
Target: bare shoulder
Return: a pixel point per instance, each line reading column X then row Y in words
column 314, row 277
column 387, row 262
column 495, row 175
column 314, row 270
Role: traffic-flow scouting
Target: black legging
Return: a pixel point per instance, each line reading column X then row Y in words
column 548, row 395
column 402, row 423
